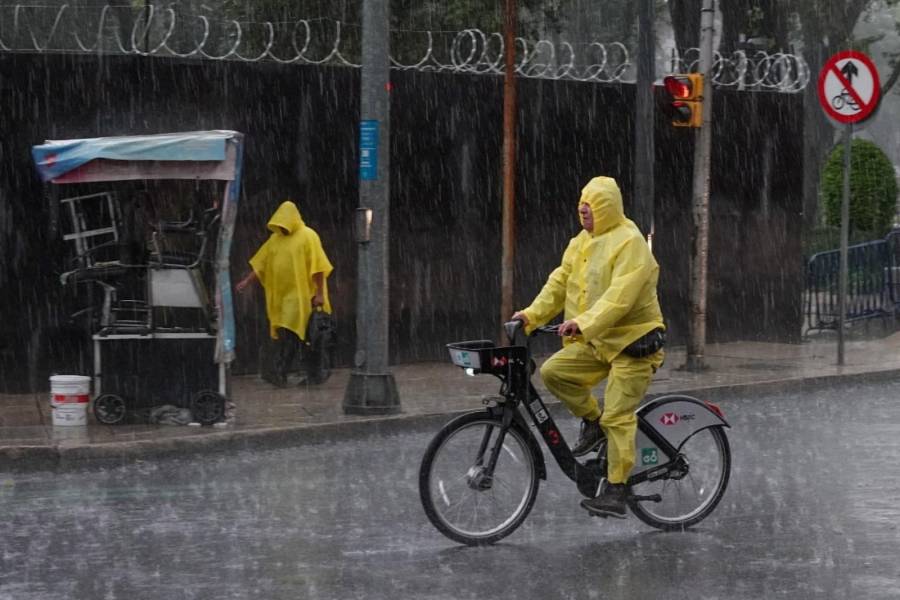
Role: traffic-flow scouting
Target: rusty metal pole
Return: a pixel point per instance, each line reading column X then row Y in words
column 509, row 164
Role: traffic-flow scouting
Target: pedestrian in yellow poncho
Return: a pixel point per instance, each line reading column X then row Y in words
column 613, row 328
column 293, row 269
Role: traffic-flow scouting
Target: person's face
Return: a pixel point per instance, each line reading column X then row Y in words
column 587, row 217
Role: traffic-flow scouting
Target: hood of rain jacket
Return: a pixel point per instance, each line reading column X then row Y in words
column 607, row 278
column 603, row 196
column 286, row 219
column 285, row 265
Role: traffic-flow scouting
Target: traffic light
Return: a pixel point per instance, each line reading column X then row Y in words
column 684, row 99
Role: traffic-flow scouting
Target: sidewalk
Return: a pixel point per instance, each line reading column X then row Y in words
column 265, row 416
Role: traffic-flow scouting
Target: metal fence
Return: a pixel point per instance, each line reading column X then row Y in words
column 873, row 284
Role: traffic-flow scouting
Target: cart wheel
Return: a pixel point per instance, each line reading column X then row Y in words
column 109, row 409
column 208, row 407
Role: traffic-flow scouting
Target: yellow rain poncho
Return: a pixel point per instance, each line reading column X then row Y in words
column 285, row 265
column 607, row 284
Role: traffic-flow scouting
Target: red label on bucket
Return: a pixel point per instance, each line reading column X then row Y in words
column 70, row 398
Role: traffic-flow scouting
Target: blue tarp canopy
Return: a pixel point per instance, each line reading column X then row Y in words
column 56, row 158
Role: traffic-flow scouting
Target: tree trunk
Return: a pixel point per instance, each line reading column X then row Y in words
column 685, row 23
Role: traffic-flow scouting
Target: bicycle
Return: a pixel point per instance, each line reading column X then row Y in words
column 844, row 98
column 480, row 474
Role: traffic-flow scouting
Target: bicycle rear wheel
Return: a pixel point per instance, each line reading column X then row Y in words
column 462, row 500
column 689, row 494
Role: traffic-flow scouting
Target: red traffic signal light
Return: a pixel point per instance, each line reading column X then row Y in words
column 678, row 86
column 684, row 99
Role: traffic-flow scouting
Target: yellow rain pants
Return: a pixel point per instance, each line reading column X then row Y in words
column 574, row 371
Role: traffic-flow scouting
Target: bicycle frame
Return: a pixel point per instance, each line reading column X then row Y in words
column 679, row 418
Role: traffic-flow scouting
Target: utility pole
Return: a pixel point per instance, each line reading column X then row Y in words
column 696, row 342
column 508, row 233
column 372, row 389
column 644, row 146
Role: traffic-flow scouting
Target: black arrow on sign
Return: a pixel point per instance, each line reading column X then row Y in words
column 849, row 70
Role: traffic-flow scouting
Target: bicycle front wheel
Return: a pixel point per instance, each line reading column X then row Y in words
column 461, row 498
column 692, row 490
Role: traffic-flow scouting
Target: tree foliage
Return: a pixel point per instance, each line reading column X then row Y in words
column 873, row 188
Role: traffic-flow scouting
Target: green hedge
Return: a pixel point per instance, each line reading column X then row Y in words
column 873, row 188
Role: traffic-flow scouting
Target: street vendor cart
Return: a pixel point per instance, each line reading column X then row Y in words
column 156, row 290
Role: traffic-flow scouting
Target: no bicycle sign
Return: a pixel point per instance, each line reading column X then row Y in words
column 849, row 89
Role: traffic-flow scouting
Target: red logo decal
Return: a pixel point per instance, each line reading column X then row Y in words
column 498, row 361
column 554, row 436
column 669, row 419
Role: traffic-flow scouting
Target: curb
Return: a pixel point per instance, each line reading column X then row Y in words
column 19, row 459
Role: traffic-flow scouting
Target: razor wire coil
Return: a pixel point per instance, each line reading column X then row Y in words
column 165, row 32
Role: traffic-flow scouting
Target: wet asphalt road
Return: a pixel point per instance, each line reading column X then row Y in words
column 812, row 511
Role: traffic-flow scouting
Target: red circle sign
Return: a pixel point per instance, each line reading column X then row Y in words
column 849, row 88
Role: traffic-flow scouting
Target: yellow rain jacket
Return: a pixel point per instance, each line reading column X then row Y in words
column 285, row 265
column 607, row 279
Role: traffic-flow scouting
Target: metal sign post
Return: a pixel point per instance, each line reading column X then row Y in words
column 849, row 91
column 845, row 237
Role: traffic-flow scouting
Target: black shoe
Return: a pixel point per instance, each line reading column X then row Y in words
column 317, row 379
column 279, row 381
column 590, row 437
column 610, row 503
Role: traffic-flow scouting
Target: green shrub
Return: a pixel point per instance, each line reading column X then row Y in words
column 873, row 188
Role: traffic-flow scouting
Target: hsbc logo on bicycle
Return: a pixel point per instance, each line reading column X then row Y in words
column 671, row 418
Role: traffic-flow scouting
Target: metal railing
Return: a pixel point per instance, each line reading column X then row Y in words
column 873, row 284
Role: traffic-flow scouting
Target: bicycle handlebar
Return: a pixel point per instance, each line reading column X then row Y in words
column 515, row 326
column 554, row 329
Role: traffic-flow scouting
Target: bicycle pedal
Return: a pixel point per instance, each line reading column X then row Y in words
column 650, row 498
column 607, row 515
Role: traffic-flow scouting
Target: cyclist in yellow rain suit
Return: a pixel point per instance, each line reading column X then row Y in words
column 293, row 269
column 613, row 328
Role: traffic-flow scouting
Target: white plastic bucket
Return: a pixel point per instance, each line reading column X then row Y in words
column 65, row 415
column 69, row 389
column 69, row 397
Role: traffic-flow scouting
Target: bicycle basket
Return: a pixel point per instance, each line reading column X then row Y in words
column 482, row 356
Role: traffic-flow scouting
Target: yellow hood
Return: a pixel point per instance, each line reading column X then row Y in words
column 286, row 220
column 603, row 196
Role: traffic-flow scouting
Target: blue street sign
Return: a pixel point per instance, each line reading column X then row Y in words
column 368, row 150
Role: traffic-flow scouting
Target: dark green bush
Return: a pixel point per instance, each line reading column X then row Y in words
column 873, row 188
